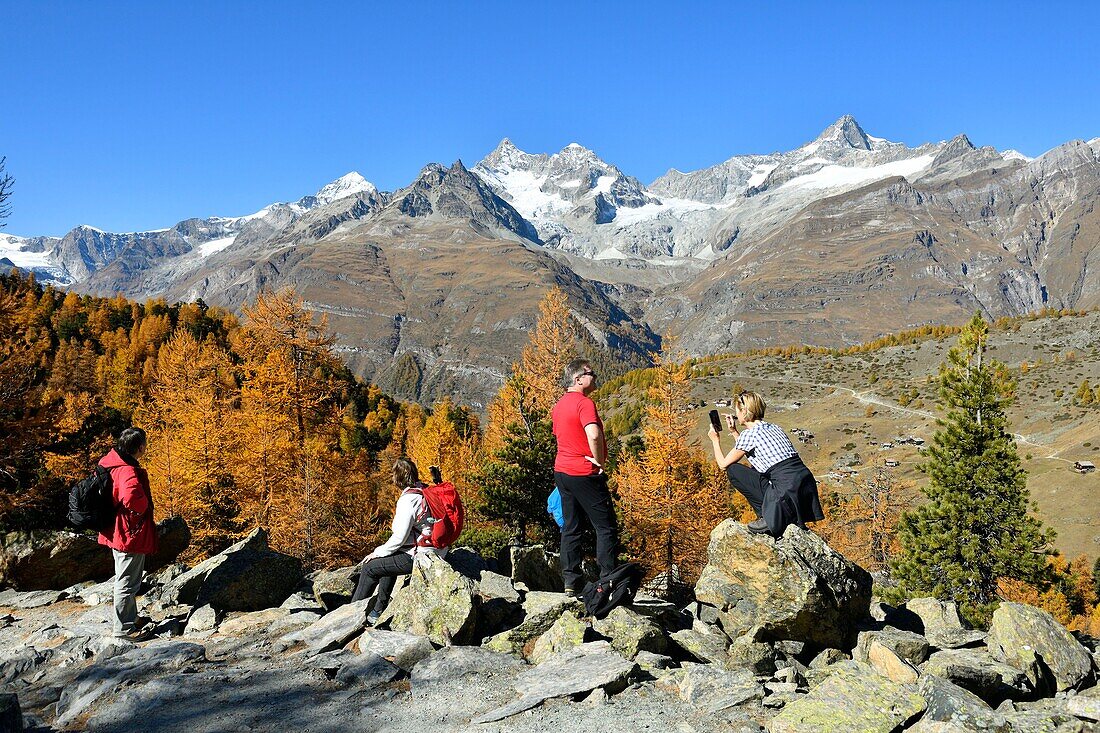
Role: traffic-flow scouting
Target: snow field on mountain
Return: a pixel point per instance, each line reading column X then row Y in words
column 11, row 248
column 215, row 245
column 831, row 176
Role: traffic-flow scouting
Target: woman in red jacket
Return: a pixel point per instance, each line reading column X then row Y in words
column 134, row 534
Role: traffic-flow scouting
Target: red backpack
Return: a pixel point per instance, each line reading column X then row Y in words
column 443, row 511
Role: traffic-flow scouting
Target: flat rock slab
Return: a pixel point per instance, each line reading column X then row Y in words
column 711, row 688
column 127, row 668
column 852, row 698
column 30, row 599
column 404, row 650
column 578, row 670
column 245, row 623
column 1084, row 706
column 333, row 630
column 367, row 670
column 455, row 665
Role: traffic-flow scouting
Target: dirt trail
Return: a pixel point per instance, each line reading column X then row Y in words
column 868, row 397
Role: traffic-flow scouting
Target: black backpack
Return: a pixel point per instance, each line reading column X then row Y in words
column 614, row 589
column 92, row 502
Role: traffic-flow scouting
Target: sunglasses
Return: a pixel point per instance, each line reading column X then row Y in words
column 587, row 374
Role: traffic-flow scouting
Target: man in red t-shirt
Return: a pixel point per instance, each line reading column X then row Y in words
column 578, row 473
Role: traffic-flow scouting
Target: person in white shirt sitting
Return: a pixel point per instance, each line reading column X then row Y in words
column 779, row 487
column 395, row 558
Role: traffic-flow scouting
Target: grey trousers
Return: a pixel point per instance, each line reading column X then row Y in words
column 128, row 571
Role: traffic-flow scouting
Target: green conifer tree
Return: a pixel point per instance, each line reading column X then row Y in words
column 515, row 480
column 975, row 527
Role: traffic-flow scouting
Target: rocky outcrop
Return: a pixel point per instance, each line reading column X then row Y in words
column 248, row 576
column 795, row 587
column 636, row 668
column 949, row 703
column 43, row 559
column 1029, row 638
column 977, row 671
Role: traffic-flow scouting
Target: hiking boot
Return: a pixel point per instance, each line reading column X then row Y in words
column 136, row 635
column 759, row 526
column 571, row 592
column 372, row 617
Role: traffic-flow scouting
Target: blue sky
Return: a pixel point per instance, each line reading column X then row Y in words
column 132, row 116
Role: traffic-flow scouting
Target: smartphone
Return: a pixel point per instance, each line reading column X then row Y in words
column 715, row 422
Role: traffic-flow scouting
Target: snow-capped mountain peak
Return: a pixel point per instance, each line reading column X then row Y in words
column 344, row 186
column 844, row 133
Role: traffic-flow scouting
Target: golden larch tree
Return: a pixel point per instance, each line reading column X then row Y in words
column 670, row 494
column 192, row 441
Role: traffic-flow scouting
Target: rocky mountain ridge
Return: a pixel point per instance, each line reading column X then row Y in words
column 840, row 240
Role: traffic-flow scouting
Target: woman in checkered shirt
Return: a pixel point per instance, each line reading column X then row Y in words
column 779, row 487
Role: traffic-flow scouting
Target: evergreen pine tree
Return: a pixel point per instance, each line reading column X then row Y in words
column 516, row 479
column 975, row 527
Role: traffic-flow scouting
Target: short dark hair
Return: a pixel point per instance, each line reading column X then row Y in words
column 131, row 440
column 574, row 369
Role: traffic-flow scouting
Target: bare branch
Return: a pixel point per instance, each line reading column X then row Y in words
column 7, row 184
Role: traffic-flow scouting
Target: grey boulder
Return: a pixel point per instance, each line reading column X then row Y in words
column 332, row 630
column 949, row 703
column 795, row 587
column 404, row 650
column 1029, row 638
column 536, row 569
column 247, row 576
column 438, row 602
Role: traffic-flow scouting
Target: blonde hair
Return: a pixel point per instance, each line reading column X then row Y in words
column 404, row 473
column 754, row 405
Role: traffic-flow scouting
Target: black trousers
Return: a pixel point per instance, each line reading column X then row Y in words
column 750, row 483
column 382, row 572
column 785, row 495
column 585, row 497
